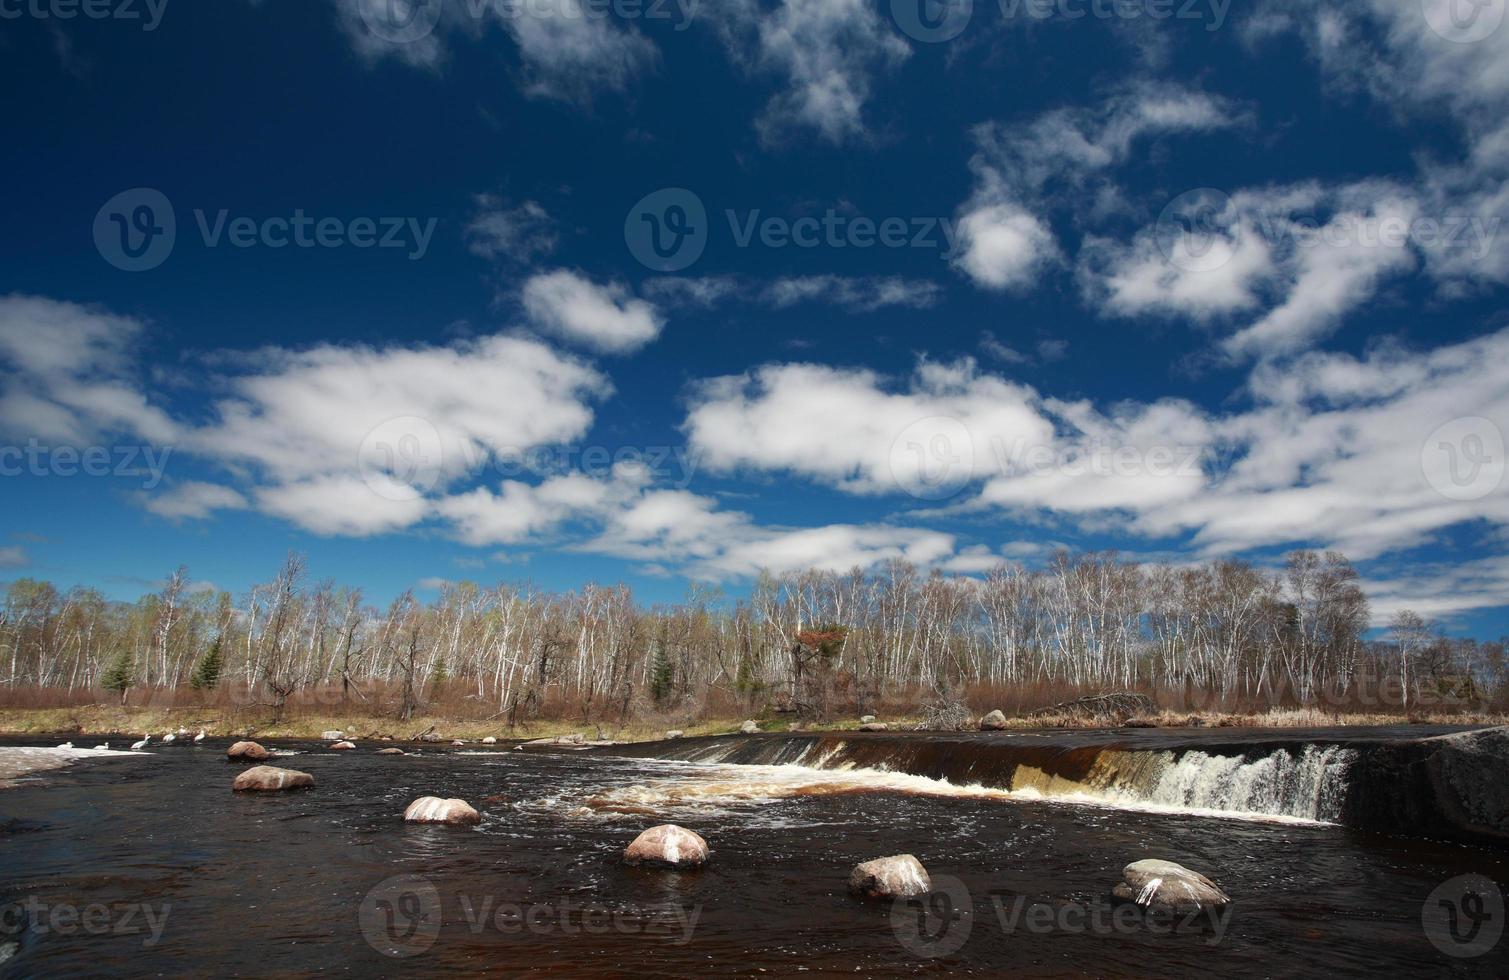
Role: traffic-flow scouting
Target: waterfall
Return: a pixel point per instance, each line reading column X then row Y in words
column 1302, row 781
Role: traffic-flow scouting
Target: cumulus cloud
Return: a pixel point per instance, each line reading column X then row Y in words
column 603, row 317
column 1025, row 171
column 515, row 234
column 193, row 500
column 827, row 53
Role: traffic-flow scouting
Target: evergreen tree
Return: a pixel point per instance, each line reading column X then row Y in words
column 662, row 674
column 120, row 675
column 207, row 671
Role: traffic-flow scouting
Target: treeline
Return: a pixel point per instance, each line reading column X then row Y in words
column 1223, row 633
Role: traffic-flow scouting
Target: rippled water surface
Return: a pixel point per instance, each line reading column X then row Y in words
column 283, row 884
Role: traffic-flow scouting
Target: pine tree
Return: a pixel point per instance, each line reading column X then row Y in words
column 207, row 671
column 662, row 674
column 120, row 675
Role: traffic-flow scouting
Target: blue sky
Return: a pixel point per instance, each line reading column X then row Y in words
column 1226, row 282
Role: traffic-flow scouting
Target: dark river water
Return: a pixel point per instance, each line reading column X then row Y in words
column 149, row 864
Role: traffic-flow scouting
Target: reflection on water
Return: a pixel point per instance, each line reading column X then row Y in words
column 285, row 883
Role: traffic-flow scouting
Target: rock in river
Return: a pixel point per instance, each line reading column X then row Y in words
column 389, row 752
column 749, row 728
column 247, row 750
column 901, row 876
column 271, row 778
column 993, row 722
column 342, row 746
column 432, row 809
column 1168, row 887
column 667, row 846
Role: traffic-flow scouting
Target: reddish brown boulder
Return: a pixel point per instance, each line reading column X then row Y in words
column 667, row 846
column 271, row 778
column 432, row 809
column 247, row 750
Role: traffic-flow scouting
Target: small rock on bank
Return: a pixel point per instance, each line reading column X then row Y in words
column 432, row 809
column 875, row 726
column 1164, row 886
column 270, row 779
column 993, row 722
column 749, row 728
column 247, row 750
column 332, row 736
column 667, row 846
column 901, row 876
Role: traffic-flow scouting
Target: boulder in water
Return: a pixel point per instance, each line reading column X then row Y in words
column 667, row 846
column 576, row 741
column 1139, row 723
column 875, row 726
column 489, row 740
column 1164, row 886
column 901, row 876
column 332, row 736
column 343, row 746
column 993, row 722
column 456, row 743
column 271, row 778
column 1469, row 777
column 389, row 752
column 247, row 750
column 749, row 728
column 432, row 809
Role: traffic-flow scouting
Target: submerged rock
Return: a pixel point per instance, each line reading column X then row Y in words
column 667, row 846
column 749, row 728
column 900, row 876
column 1164, row 886
column 432, row 809
column 271, row 778
column 247, row 750
column 342, row 746
column 993, row 722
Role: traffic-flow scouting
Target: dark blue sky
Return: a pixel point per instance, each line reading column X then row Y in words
column 1307, row 382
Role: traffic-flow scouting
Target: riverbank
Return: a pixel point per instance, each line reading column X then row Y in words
column 103, row 720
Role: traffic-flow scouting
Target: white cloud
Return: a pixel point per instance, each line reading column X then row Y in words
column 516, row 234
column 828, row 52
column 193, row 500
column 604, row 318
column 1024, row 171
column 344, row 505
column 14, row 556
column 854, row 294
